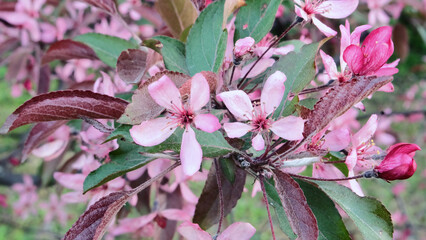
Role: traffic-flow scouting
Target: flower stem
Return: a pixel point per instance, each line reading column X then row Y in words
column 326, row 179
column 262, row 185
column 152, row 180
column 295, row 22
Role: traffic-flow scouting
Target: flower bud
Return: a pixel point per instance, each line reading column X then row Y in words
column 398, row 163
column 243, row 46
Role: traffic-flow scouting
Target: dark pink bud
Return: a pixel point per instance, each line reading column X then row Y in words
column 398, row 163
column 243, row 46
column 373, row 54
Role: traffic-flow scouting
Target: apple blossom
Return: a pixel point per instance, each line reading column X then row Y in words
column 334, row 9
column 239, row 104
column 372, row 55
column 398, row 163
column 237, row 230
column 155, row 131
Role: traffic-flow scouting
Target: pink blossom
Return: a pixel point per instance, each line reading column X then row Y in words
column 139, row 224
column 155, row 131
column 27, row 197
column 399, row 162
column 3, row 200
column 372, row 55
column 334, row 9
column 239, row 104
column 55, row 146
column 346, row 39
column 54, row 209
column 237, row 230
column 243, row 46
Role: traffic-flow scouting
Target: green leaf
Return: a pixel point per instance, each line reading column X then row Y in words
column 177, row 14
column 125, row 159
column 330, row 222
column 369, row 215
column 308, row 103
column 290, row 107
column 206, row 42
column 299, row 68
column 255, row 19
column 296, row 43
column 106, row 47
column 337, row 156
column 228, row 168
column 275, row 202
column 173, row 52
column 213, row 144
column 122, row 132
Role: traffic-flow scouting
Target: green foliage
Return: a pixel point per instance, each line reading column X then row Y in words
column 125, row 159
column 330, row 222
column 275, row 202
column 299, row 67
column 206, row 42
column 107, row 48
column 255, row 19
column 368, row 214
column 173, row 52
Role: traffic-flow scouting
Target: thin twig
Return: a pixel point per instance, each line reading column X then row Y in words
column 326, row 179
column 150, row 181
column 219, row 187
column 295, row 22
column 262, row 184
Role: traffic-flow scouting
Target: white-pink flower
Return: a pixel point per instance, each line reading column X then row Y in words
column 237, row 230
column 155, row 131
column 239, row 104
column 334, row 9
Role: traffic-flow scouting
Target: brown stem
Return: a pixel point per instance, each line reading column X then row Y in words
column 262, row 184
column 152, row 180
column 219, row 187
column 295, row 22
column 404, row 113
column 326, row 179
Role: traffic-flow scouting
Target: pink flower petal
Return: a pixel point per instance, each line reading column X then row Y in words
column 207, row 122
column 290, row 128
column 191, row 231
column 366, row 132
column 337, row 9
column 200, row 92
column 236, row 129
column 238, row 103
column 273, row 91
column 337, row 140
column 260, row 67
column 190, row 153
column 329, row 65
column 165, row 93
column 157, row 166
column 258, row 142
column 323, row 28
column 354, row 57
column 176, row 214
column 152, row 132
column 238, row 230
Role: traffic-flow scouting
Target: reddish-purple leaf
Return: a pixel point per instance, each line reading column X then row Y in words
column 334, row 103
column 131, row 65
column 207, row 209
column 340, row 99
column 143, row 107
column 107, row 5
column 85, row 85
column 65, row 105
column 38, row 133
column 299, row 214
column 68, row 49
column 94, row 222
column 7, row 6
column 17, row 62
column 43, row 80
column 8, row 45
